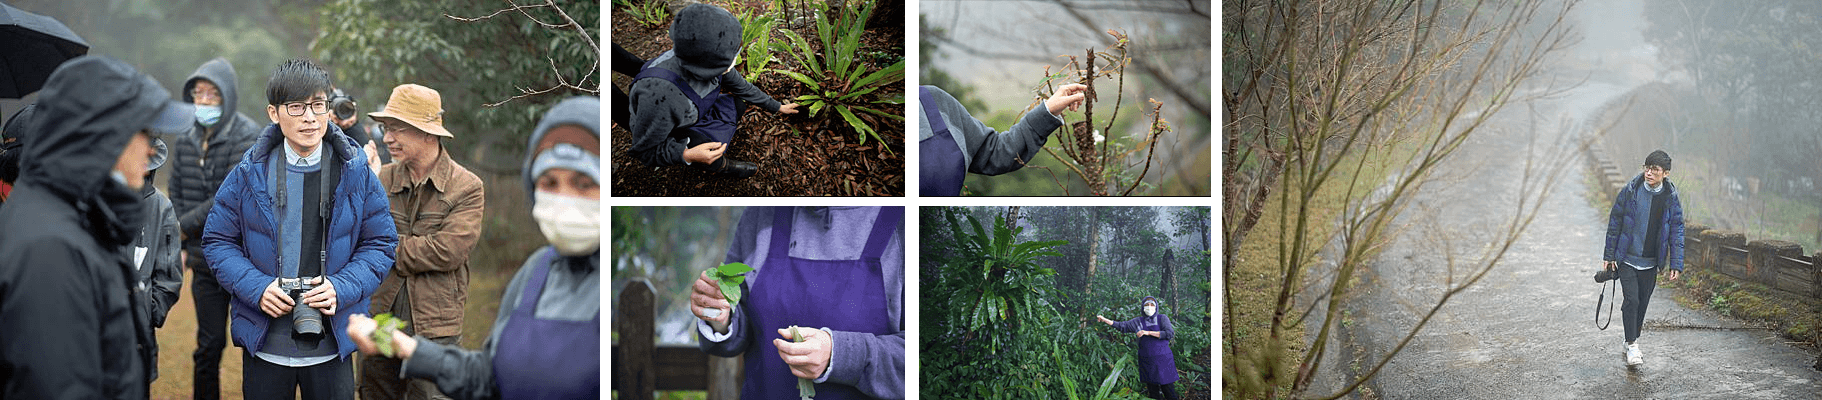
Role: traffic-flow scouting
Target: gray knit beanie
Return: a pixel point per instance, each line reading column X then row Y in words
column 706, row 38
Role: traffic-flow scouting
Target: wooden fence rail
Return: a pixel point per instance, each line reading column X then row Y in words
column 641, row 366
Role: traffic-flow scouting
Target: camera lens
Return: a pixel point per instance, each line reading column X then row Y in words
column 306, row 321
column 344, row 108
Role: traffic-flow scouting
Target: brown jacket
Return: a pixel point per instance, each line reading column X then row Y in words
column 439, row 222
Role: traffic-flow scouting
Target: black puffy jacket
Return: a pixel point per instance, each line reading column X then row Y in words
column 204, row 157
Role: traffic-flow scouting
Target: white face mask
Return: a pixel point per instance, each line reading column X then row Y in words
column 1151, row 310
column 571, row 224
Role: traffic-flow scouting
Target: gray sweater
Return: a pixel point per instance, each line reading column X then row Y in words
column 572, row 292
column 659, row 108
column 988, row 152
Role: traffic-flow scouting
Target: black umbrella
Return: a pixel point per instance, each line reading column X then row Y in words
column 31, row 46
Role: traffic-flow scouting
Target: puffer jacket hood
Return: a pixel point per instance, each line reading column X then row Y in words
column 89, row 109
column 219, row 72
column 706, row 38
column 583, row 111
column 12, row 138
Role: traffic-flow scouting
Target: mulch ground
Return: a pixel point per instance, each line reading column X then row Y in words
column 798, row 155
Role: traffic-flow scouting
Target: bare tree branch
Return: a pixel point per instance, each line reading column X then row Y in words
column 568, row 23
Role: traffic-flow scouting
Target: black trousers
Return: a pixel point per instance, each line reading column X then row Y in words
column 1638, row 285
column 1166, row 391
column 263, row 380
column 211, row 303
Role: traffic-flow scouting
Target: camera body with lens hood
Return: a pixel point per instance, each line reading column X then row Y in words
column 307, row 323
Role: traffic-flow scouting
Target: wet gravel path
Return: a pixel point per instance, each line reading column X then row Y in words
column 1525, row 330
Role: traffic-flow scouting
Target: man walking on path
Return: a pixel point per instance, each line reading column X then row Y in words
column 1644, row 236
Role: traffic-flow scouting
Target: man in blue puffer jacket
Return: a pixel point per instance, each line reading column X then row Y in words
column 301, row 207
column 1645, row 233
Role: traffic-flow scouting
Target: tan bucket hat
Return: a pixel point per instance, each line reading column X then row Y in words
column 417, row 105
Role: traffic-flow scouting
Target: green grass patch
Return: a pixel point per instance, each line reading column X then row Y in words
column 1792, row 316
column 1256, row 277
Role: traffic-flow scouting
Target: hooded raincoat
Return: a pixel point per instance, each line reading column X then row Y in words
column 70, row 324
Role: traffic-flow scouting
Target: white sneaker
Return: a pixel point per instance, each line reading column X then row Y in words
column 1633, row 357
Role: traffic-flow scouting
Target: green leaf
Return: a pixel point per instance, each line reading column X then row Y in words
column 1113, row 377
column 805, row 388
column 731, row 290
column 895, row 99
column 382, row 336
column 729, row 277
column 882, row 113
column 851, row 96
column 801, row 78
column 734, row 268
column 891, row 74
column 1062, row 373
column 853, row 121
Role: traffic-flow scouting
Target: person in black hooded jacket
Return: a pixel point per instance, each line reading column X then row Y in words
column 158, row 277
column 202, row 159
column 12, row 137
column 69, row 328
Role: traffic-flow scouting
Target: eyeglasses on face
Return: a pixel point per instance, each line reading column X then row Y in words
column 296, row 108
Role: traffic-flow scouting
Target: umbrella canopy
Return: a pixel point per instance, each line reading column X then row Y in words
column 31, row 46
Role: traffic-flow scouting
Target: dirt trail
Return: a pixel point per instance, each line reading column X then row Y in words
column 1525, row 331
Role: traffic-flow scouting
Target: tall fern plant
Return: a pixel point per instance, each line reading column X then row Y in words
column 837, row 78
column 993, row 281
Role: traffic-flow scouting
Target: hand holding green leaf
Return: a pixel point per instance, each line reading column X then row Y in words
column 805, row 388
column 382, row 336
column 729, row 277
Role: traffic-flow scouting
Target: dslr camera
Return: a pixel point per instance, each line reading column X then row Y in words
column 306, row 321
column 342, row 104
column 1605, row 275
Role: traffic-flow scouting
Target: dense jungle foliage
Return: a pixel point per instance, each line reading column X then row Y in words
column 1008, row 309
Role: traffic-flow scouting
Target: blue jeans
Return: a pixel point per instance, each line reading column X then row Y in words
column 1637, row 284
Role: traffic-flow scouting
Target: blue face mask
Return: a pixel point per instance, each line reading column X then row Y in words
column 208, row 115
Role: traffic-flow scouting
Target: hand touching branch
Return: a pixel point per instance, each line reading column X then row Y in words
column 1068, row 96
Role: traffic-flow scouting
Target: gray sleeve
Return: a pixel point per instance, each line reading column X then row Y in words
column 462, row 373
column 875, row 364
column 1128, row 326
column 992, row 152
column 1168, row 331
column 167, row 272
column 746, row 91
column 657, row 109
column 458, row 373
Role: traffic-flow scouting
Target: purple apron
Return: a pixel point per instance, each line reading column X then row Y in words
column 1156, row 363
column 940, row 160
column 546, row 359
column 842, row 295
column 716, row 114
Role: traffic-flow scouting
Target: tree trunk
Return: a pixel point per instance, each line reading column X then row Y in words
column 1094, row 243
column 1167, row 287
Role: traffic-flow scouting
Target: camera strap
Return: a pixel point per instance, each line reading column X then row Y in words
column 1606, row 288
